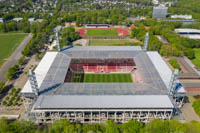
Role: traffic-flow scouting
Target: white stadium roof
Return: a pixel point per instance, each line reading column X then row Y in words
column 41, row 71
column 106, row 101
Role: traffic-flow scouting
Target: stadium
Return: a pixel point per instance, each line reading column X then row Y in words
column 92, row 84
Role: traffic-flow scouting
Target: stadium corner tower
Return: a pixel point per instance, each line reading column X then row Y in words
column 59, row 88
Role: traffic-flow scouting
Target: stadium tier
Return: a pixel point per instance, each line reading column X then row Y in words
column 76, row 84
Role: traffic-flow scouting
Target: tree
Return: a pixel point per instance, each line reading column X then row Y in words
column 12, row 71
column 133, row 126
column 157, row 126
column 111, row 127
column 174, row 64
column 4, row 126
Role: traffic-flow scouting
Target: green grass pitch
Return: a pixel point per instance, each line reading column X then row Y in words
column 196, row 61
column 113, row 42
column 102, row 32
column 102, row 78
column 8, row 43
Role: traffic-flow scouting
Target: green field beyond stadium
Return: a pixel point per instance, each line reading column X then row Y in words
column 8, row 43
column 110, row 42
column 102, row 78
column 102, row 32
column 196, row 61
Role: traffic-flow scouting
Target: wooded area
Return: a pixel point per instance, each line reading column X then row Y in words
column 133, row 126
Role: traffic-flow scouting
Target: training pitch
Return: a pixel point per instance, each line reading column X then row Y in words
column 102, row 32
column 111, row 42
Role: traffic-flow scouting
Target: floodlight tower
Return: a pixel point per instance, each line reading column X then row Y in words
column 146, row 41
column 128, row 9
column 173, row 82
column 57, row 42
column 33, row 82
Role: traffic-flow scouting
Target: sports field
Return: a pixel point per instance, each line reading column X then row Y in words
column 196, row 61
column 8, row 43
column 102, row 78
column 109, row 42
column 102, row 32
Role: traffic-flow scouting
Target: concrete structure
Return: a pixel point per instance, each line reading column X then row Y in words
column 189, row 33
column 182, row 16
column 147, row 99
column 160, row 12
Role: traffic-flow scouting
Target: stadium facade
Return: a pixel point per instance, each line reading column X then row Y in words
column 155, row 92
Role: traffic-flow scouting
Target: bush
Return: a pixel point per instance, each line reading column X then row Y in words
column 7, row 98
column 15, row 94
column 174, row 64
column 12, row 98
column 14, row 103
column 10, row 103
column 13, row 90
column 196, row 106
column 18, row 90
column 4, row 102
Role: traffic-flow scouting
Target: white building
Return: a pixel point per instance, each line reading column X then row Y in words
column 160, row 12
column 182, row 16
column 31, row 20
column 189, row 33
column 17, row 19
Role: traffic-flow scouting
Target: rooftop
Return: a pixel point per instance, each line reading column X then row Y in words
column 187, row 30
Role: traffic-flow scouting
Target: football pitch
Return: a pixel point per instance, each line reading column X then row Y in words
column 111, row 42
column 8, row 43
column 102, row 78
column 102, row 32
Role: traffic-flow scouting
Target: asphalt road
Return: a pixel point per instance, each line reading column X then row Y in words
column 13, row 59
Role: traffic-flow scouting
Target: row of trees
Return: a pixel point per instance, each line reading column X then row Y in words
column 2, row 86
column 133, row 126
column 114, row 17
column 23, row 26
column 68, row 36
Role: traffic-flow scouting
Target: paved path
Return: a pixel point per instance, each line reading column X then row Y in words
column 13, row 59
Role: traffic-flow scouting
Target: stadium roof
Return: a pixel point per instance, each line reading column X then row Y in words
column 99, row 102
column 154, row 73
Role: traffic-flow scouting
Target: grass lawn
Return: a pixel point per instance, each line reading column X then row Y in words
column 102, row 78
column 102, row 32
column 196, row 61
column 113, row 42
column 8, row 43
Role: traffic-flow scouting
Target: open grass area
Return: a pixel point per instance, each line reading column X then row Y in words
column 196, row 61
column 102, row 32
column 102, row 78
column 8, row 43
column 113, row 42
